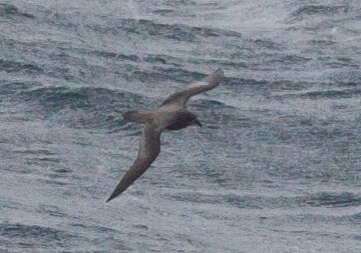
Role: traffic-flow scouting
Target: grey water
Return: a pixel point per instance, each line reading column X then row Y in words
column 276, row 166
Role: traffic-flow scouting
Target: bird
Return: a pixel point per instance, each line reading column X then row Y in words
column 170, row 115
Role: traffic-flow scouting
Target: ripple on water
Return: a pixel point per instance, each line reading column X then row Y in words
column 95, row 108
column 10, row 11
column 28, row 236
column 20, row 67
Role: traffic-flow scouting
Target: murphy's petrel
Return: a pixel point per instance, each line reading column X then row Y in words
column 172, row 114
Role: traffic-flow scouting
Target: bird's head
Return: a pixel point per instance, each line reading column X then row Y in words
column 194, row 121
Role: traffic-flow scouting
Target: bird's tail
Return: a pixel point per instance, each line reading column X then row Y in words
column 141, row 117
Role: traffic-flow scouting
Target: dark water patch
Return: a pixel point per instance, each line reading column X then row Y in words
column 72, row 65
column 113, row 237
column 60, row 176
column 52, row 182
column 23, row 169
column 43, row 160
column 332, row 94
column 94, row 228
column 19, row 67
column 313, row 219
column 51, row 210
column 150, row 29
column 163, row 59
column 317, row 10
column 187, row 239
column 347, row 75
column 115, row 56
column 54, row 98
column 83, row 107
column 157, row 74
column 69, row 20
column 10, row 11
column 344, row 59
column 183, row 3
column 261, row 202
column 65, row 55
column 356, row 219
column 237, row 63
column 164, row 12
column 27, row 236
column 231, row 199
column 322, row 43
column 347, row 84
column 312, row 131
column 34, row 152
column 288, row 86
column 72, row 74
column 225, row 63
column 310, row 218
column 339, row 107
column 322, row 199
column 334, row 200
column 176, row 31
column 8, row 204
column 324, row 94
column 141, row 226
column 357, row 237
column 150, row 76
column 51, row 167
column 60, row 171
column 268, row 44
column 195, row 198
column 20, row 51
column 240, row 84
column 213, row 32
column 10, row 88
column 340, row 62
column 249, row 87
column 288, row 60
column 100, row 229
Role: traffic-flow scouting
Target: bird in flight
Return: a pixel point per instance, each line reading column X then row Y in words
column 171, row 115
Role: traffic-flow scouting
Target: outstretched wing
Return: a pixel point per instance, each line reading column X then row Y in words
column 180, row 98
column 149, row 148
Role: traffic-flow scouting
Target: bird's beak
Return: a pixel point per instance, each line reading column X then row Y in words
column 197, row 122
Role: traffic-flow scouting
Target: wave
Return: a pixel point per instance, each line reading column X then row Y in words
column 321, row 199
column 333, row 200
column 80, row 108
column 178, row 32
column 19, row 67
column 323, row 94
column 29, row 236
column 10, row 88
column 11, row 11
column 306, row 11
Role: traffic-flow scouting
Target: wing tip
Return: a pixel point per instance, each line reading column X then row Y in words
column 110, row 198
column 115, row 194
column 121, row 187
column 118, row 190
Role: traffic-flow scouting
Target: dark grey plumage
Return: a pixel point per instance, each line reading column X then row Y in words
column 172, row 115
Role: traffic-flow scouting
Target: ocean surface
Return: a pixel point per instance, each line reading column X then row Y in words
column 276, row 166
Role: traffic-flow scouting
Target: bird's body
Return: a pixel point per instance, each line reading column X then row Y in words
column 171, row 115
